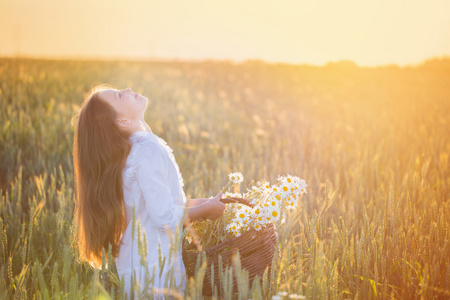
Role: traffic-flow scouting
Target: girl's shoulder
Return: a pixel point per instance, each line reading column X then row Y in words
column 145, row 146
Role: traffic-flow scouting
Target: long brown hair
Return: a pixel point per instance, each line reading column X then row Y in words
column 100, row 150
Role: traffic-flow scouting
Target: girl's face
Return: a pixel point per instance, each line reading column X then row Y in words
column 128, row 105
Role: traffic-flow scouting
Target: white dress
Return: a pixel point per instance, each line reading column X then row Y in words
column 153, row 185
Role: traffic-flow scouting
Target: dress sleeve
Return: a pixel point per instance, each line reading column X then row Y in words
column 152, row 179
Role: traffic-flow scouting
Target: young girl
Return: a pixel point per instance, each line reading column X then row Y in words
column 121, row 166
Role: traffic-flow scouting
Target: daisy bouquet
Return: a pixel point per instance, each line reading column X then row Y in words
column 266, row 204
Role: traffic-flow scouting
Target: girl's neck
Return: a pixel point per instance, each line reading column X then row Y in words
column 140, row 126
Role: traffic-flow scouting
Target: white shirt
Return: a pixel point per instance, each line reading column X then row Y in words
column 152, row 183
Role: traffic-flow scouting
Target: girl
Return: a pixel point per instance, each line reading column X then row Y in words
column 122, row 168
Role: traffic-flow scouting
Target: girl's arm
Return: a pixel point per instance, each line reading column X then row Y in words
column 210, row 209
column 195, row 202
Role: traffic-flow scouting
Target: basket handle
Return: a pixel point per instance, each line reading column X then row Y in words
column 236, row 200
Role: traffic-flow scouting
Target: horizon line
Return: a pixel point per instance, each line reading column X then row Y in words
column 217, row 60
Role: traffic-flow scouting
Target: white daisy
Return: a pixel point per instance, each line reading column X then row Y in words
column 232, row 195
column 268, row 218
column 257, row 226
column 261, row 218
column 300, row 183
column 274, row 200
column 236, row 177
column 256, row 211
column 291, row 204
column 273, row 212
column 265, row 187
column 242, row 216
column 233, row 226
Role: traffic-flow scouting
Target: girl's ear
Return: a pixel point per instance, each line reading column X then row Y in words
column 123, row 122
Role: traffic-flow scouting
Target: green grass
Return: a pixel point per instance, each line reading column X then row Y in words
column 371, row 143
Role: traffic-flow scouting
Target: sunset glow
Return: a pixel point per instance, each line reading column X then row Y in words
column 313, row 32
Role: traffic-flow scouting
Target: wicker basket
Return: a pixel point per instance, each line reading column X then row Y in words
column 256, row 250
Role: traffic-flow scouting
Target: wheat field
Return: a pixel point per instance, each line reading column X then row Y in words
column 372, row 144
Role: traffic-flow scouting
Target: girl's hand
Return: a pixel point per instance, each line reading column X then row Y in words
column 215, row 207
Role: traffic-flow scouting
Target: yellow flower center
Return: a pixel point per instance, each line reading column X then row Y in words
column 289, row 180
column 242, row 216
column 285, row 188
column 275, row 213
column 257, row 211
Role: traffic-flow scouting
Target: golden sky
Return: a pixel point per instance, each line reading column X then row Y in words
column 314, row 32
